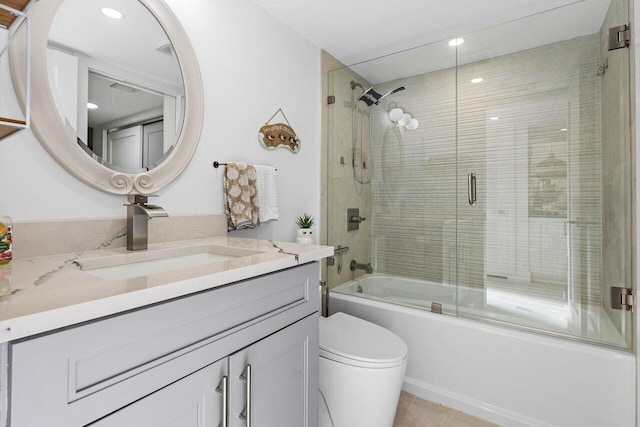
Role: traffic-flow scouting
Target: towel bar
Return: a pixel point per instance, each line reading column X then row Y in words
column 217, row 164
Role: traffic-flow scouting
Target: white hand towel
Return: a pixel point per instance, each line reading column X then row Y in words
column 267, row 186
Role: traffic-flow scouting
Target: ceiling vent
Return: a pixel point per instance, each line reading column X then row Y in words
column 123, row 87
column 165, row 48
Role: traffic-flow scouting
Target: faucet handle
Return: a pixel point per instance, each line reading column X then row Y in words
column 139, row 199
column 356, row 218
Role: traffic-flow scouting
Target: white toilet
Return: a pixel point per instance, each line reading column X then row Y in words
column 361, row 371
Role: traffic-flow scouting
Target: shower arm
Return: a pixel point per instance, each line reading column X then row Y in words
column 355, row 84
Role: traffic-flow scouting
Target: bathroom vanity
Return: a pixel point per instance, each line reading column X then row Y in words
column 207, row 332
column 231, row 341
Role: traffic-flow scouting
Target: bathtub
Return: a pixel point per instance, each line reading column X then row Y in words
column 509, row 376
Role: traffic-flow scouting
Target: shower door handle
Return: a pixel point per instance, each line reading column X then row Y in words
column 471, row 188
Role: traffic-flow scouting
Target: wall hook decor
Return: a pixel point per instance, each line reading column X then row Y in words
column 279, row 135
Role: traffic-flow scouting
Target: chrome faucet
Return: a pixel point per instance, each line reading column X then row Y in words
column 356, row 266
column 138, row 215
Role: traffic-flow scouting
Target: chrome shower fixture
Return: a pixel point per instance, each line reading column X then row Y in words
column 355, row 84
column 370, row 96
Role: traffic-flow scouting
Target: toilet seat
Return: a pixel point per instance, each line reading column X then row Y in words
column 356, row 342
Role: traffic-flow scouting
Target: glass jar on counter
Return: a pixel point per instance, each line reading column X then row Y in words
column 5, row 240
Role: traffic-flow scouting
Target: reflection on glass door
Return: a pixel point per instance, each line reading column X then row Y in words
column 547, row 138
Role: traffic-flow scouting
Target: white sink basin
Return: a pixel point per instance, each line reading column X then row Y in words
column 136, row 264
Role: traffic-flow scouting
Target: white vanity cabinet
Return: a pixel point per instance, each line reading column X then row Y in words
column 277, row 384
column 189, row 402
column 216, row 395
column 179, row 363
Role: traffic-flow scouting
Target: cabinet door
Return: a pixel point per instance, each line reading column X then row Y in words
column 194, row 401
column 283, row 382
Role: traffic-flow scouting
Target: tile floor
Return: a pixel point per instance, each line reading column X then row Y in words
column 415, row 412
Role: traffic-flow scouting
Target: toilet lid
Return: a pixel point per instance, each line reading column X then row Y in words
column 354, row 341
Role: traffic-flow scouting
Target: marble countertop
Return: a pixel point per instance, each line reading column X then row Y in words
column 46, row 293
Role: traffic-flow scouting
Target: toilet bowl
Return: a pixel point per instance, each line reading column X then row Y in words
column 361, row 371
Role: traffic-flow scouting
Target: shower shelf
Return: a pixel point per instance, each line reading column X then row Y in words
column 7, row 16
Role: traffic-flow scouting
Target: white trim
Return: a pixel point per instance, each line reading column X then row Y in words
column 468, row 405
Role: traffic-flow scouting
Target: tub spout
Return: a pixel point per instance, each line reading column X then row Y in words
column 356, row 266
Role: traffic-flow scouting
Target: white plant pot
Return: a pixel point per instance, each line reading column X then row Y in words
column 305, row 236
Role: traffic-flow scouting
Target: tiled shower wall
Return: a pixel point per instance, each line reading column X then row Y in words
column 414, row 203
column 342, row 189
column 421, row 180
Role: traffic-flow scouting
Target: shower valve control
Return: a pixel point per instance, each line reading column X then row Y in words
column 354, row 219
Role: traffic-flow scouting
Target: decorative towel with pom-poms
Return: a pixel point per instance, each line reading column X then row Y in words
column 279, row 135
column 240, row 196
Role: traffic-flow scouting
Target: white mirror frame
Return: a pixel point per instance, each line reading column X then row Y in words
column 48, row 127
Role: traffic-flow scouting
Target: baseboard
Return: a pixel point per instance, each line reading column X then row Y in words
column 479, row 409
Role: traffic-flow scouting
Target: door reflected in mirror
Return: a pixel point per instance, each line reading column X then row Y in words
column 118, row 87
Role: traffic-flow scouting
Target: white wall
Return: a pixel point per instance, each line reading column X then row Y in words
column 251, row 65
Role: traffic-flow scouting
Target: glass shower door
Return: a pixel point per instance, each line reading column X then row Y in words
column 409, row 234
column 543, row 183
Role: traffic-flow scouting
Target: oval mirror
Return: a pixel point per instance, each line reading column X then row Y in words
column 117, row 94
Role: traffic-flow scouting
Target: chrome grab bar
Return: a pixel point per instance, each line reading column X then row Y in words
column 339, row 249
column 471, row 188
column 246, row 378
column 223, row 390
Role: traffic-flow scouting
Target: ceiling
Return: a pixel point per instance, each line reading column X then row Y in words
column 131, row 50
column 131, row 43
column 355, row 31
column 115, row 103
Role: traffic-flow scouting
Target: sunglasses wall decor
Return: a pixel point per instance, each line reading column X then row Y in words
column 276, row 135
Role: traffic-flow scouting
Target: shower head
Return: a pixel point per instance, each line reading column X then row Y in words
column 371, row 97
column 391, row 92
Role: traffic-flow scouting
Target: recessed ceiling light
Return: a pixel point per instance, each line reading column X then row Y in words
column 563, row 130
column 92, row 106
column 456, row 42
column 476, row 80
column 494, row 118
column 111, row 13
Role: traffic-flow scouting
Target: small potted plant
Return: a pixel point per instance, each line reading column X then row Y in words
column 305, row 234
